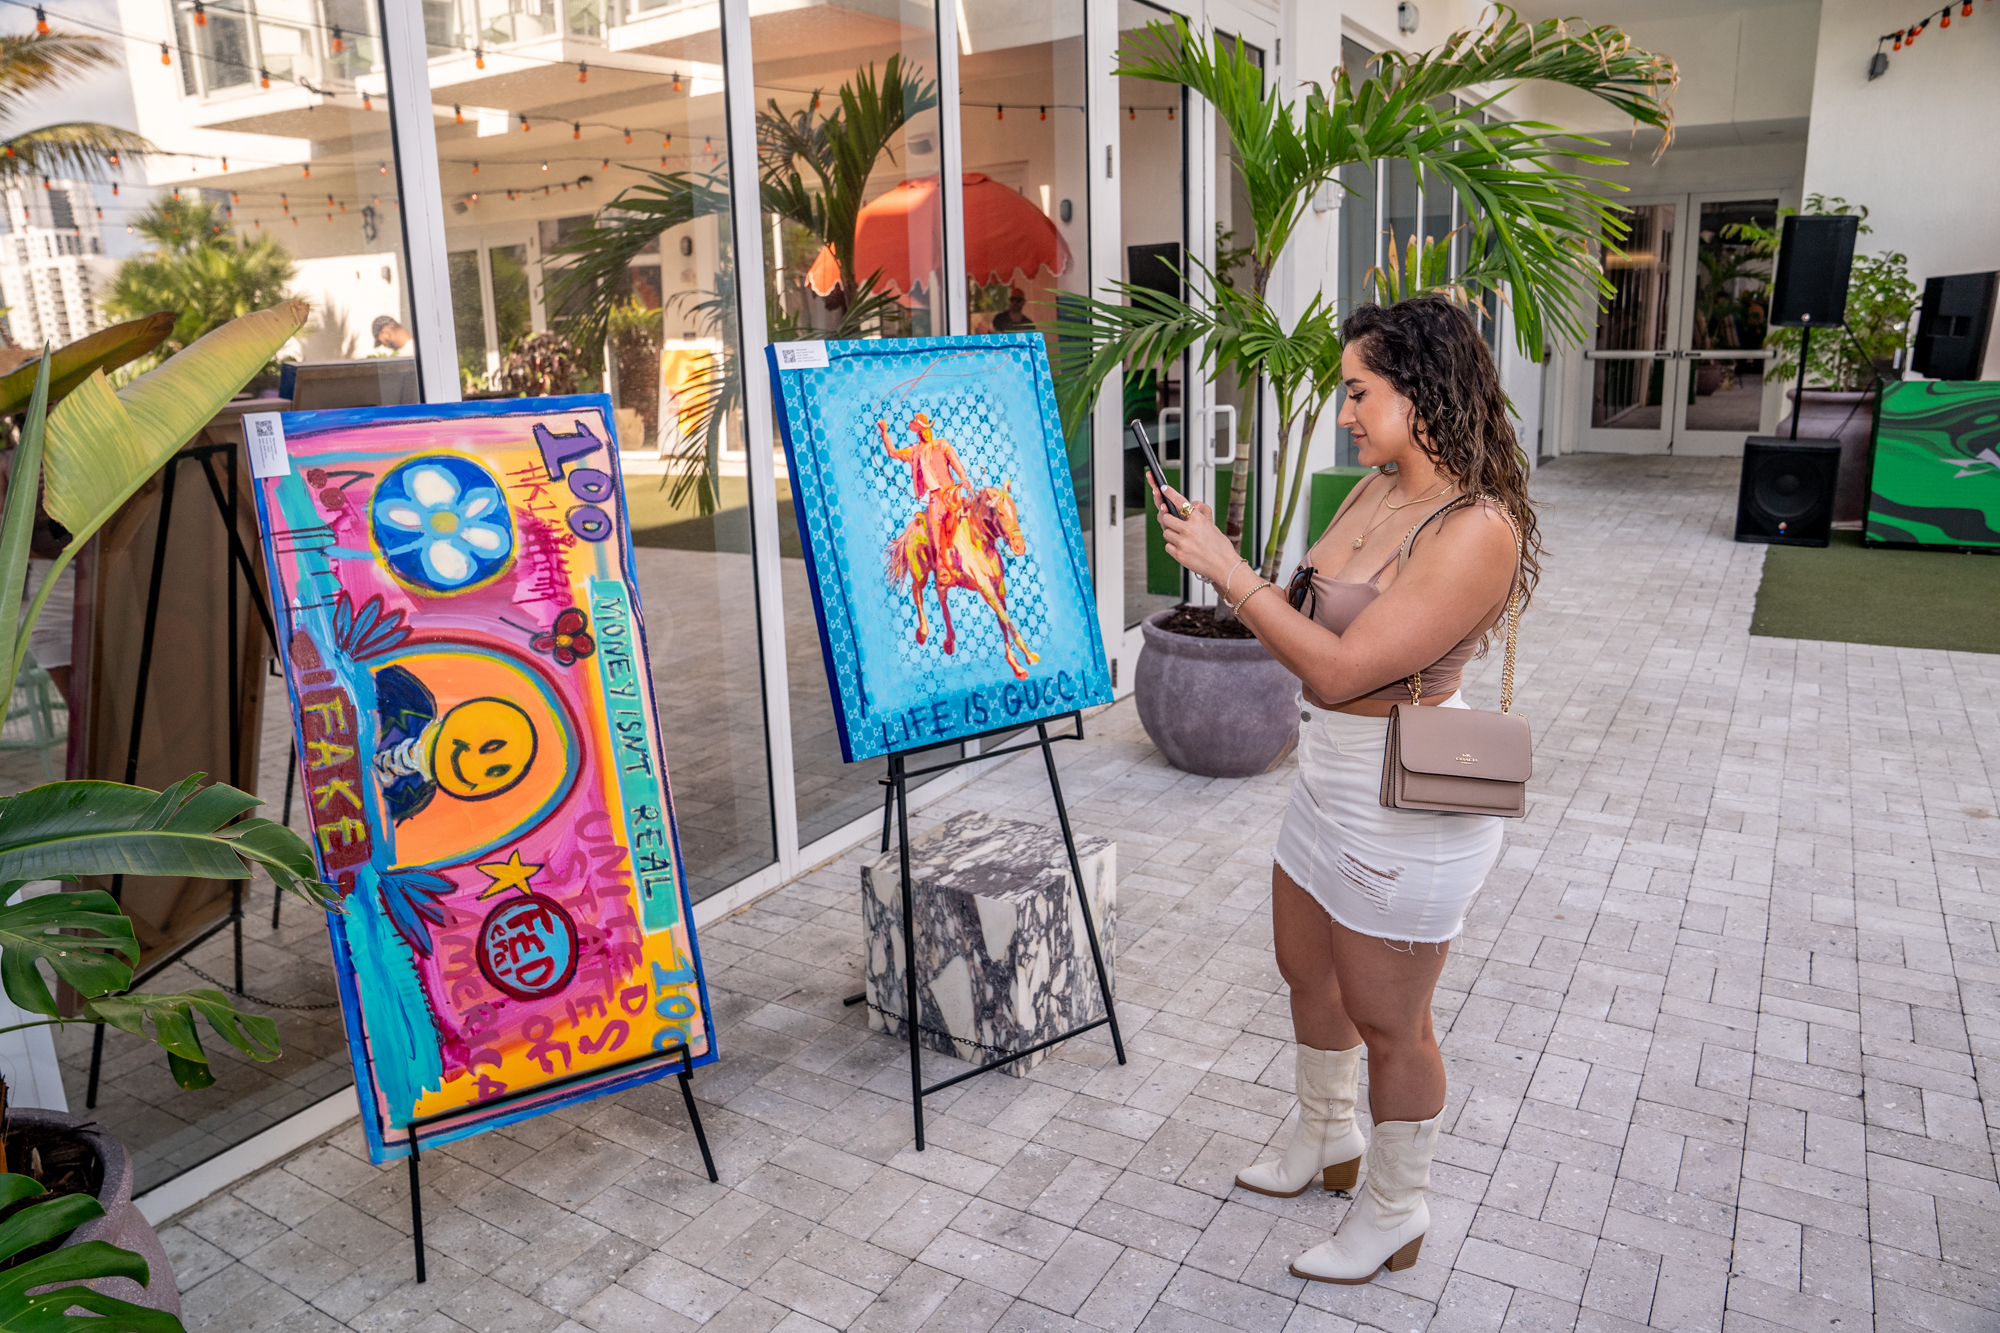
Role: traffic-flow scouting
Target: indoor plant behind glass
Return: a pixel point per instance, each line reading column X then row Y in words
column 1845, row 366
column 88, row 457
column 1530, row 224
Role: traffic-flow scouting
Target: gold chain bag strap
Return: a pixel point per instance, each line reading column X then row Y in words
column 1462, row 761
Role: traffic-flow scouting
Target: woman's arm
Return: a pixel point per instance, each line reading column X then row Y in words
column 1455, row 581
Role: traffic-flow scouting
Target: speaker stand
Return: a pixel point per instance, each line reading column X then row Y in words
column 1799, row 393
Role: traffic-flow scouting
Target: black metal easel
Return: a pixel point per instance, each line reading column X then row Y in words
column 896, row 802
column 237, row 561
column 678, row 1051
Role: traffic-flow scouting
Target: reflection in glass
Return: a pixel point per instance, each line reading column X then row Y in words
column 1027, row 199
column 1627, row 394
column 1152, row 192
column 590, row 202
column 1732, row 310
column 854, row 235
column 1358, row 235
column 272, row 122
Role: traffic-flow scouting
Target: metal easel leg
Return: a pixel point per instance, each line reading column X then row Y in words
column 900, row 791
column 416, row 1206
column 161, row 527
column 291, row 781
column 694, row 1116
column 1082, row 893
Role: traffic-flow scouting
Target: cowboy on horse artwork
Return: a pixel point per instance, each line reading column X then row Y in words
column 956, row 538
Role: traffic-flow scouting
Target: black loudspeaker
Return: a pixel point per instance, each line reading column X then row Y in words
column 1815, row 259
column 1953, row 324
column 1787, row 494
column 1156, row 267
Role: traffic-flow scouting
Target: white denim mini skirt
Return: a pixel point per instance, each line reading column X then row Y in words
column 1394, row 874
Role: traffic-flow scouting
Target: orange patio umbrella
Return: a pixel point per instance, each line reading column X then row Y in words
column 900, row 235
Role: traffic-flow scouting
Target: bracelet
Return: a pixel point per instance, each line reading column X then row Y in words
column 1231, row 579
column 1238, row 608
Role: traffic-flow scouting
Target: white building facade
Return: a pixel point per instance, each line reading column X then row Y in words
column 53, row 271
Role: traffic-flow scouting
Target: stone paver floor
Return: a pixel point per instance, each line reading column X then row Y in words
column 1721, row 1034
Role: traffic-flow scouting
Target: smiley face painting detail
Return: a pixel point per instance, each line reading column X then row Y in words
column 941, row 535
column 480, row 756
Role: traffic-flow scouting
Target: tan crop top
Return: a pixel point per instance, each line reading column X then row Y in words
column 1337, row 602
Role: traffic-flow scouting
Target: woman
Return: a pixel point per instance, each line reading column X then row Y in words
column 1417, row 566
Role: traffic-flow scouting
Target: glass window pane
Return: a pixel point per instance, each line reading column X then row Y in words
column 275, row 169
column 1027, row 196
column 1358, row 235
column 1152, row 194
column 556, row 288
column 856, row 254
column 1628, row 394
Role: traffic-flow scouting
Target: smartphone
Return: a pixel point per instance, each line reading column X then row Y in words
column 1152, row 459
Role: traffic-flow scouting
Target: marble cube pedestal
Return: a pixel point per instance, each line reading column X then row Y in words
column 1002, row 958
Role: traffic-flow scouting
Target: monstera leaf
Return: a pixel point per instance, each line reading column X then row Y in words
column 48, row 1311
column 173, row 1028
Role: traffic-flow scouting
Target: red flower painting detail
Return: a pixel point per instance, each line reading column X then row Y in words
column 569, row 640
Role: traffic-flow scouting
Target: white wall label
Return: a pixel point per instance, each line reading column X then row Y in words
column 801, row 356
column 264, row 432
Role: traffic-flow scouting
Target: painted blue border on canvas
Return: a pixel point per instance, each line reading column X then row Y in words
column 994, row 398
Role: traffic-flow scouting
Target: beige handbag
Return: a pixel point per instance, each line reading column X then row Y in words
column 1461, row 761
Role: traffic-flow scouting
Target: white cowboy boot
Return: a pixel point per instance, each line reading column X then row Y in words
column 1389, row 1216
column 1326, row 1142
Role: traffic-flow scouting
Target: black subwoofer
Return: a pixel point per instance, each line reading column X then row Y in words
column 1786, row 497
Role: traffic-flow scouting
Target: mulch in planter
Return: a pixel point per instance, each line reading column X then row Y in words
column 62, row 1162
column 1200, row 622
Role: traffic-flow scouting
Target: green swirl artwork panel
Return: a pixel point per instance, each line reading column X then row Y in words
column 1936, row 479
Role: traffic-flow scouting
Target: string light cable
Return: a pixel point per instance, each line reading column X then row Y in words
column 1878, row 64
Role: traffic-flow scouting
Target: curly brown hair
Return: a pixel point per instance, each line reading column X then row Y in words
column 1431, row 353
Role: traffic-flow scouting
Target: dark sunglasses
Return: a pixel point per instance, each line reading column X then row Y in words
column 1301, row 588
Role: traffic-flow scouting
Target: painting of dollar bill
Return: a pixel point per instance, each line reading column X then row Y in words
column 479, row 752
column 941, row 536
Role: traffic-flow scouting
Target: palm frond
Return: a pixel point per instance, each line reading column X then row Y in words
column 32, row 63
column 1601, row 61
column 73, row 148
column 600, row 254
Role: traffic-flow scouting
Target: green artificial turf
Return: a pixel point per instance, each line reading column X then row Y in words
column 1849, row 593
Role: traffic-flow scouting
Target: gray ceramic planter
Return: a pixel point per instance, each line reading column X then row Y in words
column 122, row 1224
column 1847, row 416
column 1218, row 708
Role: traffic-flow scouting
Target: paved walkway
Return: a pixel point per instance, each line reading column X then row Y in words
column 1721, row 1037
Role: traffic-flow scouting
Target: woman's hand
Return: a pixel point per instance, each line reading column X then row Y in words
column 1195, row 541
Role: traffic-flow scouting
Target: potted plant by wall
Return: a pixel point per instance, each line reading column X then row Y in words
column 1846, row 365
column 1530, row 221
column 86, row 459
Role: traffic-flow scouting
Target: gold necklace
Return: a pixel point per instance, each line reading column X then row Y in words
column 1370, row 529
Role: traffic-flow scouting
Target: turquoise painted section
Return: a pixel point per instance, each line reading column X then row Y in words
column 638, row 783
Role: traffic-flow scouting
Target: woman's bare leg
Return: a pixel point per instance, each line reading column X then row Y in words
column 1349, row 988
column 1387, row 994
column 1303, row 933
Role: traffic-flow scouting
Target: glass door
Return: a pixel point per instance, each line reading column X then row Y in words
column 1727, row 394
column 1633, row 372
column 1678, row 362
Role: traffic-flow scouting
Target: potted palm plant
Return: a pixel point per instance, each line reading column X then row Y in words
column 1530, row 223
column 87, row 458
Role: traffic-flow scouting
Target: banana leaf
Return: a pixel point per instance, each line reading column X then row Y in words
column 107, row 349
column 102, row 445
column 18, row 526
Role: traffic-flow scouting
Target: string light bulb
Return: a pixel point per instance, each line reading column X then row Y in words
column 114, row 189
column 41, row 21
column 263, row 78
column 1946, row 13
column 1170, row 113
column 479, row 57
column 607, row 164
column 381, row 168
column 475, row 168
column 200, row 15
column 339, row 43
column 166, row 57
column 576, row 129
column 628, row 136
column 1045, row 113
column 525, row 127
column 582, row 72
column 225, row 164
column 367, row 103
column 458, row 113
column 1131, row 113
column 545, row 166
column 114, row 159
column 305, row 171
column 677, row 81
